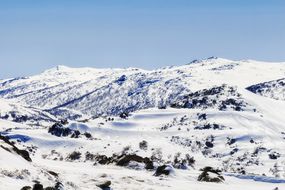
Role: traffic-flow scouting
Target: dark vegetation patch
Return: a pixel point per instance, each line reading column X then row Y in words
column 222, row 97
column 38, row 186
column 75, row 155
column 274, row 155
column 143, row 145
column 177, row 122
column 210, row 174
column 134, row 161
column 186, row 142
column 231, row 141
column 210, row 126
column 181, row 163
column 120, row 160
column 268, row 88
column 163, row 170
column 105, row 185
column 59, row 130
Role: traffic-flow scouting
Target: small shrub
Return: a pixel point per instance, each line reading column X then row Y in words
column 157, row 155
column 74, row 156
column 143, row 145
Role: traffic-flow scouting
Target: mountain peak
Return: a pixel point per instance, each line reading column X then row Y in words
column 61, row 67
column 210, row 59
column 58, row 68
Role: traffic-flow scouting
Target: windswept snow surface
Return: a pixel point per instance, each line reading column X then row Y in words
column 205, row 110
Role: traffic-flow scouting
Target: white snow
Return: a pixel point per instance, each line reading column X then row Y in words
column 96, row 93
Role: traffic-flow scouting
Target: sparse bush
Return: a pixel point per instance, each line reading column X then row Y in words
column 87, row 135
column 214, row 175
column 190, row 160
column 89, row 156
column 74, row 155
column 124, row 115
column 126, row 149
column 26, row 188
column 163, row 170
column 274, row 155
column 38, row 186
column 156, row 155
column 143, row 145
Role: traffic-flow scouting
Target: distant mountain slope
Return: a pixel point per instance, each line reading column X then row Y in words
column 16, row 112
column 73, row 92
column 273, row 89
column 169, row 128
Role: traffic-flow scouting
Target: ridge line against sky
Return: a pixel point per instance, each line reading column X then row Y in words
column 37, row 35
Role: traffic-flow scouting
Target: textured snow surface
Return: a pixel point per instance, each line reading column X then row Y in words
column 225, row 114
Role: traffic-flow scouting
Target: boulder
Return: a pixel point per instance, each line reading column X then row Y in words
column 210, row 174
column 163, row 170
column 104, row 185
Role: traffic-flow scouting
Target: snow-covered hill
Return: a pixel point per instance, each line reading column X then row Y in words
column 96, row 92
column 272, row 89
column 16, row 112
column 139, row 129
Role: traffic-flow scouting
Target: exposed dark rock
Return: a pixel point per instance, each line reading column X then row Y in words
column 58, row 186
column 121, row 79
column 53, row 173
column 26, row 188
column 126, row 159
column 274, row 155
column 23, row 153
column 59, row 130
column 38, row 186
column 210, row 126
column 74, row 156
column 104, row 185
column 75, row 134
column 143, row 145
column 205, row 176
column 231, row 141
column 270, row 89
column 216, row 97
column 87, row 135
column 103, row 159
column 163, row 170
column 202, row 116
column 124, row 115
column 209, row 144
column 234, row 151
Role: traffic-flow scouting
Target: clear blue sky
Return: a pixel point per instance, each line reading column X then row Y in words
column 39, row 34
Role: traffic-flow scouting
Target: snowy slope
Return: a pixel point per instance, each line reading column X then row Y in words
column 213, row 112
column 16, row 112
column 95, row 92
column 272, row 89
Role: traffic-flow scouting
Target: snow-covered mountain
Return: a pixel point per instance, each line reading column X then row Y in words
column 95, row 92
column 84, row 128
